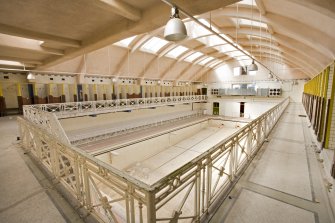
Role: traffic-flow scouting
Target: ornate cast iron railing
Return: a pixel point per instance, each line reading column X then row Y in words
column 73, row 109
column 189, row 193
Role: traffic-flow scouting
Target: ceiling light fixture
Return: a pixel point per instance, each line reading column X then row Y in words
column 229, row 42
column 175, row 29
column 253, row 66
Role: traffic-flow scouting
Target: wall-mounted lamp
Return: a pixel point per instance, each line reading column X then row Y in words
column 175, row 29
column 31, row 76
column 114, row 80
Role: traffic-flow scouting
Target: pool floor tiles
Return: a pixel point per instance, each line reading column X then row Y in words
column 175, row 156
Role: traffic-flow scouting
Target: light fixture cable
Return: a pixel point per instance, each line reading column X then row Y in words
column 168, row 2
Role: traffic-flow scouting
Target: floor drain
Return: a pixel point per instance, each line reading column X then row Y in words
column 302, row 115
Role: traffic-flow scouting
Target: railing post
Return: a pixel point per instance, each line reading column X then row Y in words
column 249, row 143
column 232, row 161
column 209, row 182
column 197, row 193
column 151, row 207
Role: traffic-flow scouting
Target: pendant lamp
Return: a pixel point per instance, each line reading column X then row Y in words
column 253, row 66
column 175, row 29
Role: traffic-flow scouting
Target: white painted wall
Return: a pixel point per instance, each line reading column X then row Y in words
column 294, row 91
column 230, row 106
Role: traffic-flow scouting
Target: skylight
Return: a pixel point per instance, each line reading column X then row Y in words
column 125, row 42
column 248, row 22
column 176, row 52
column 153, row 45
column 235, row 54
column 195, row 30
column 215, row 63
column 227, row 48
column 206, row 23
column 193, row 56
column 211, row 41
column 203, row 62
column 8, row 62
column 247, row 2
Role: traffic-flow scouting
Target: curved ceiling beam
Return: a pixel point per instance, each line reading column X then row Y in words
column 123, row 9
column 290, row 44
column 140, row 43
column 287, row 60
column 142, row 73
column 151, row 19
column 200, row 74
column 21, row 60
column 301, row 48
column 166, row 71
column 292, row 28
column 303, row 33
column 303, row 60
column 184, row 71
column 25, row 33
column 249, row 31
column 290, row 69
column 121, row 63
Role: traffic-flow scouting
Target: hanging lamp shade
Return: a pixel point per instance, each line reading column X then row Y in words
column 175, row 29
column 253, row 66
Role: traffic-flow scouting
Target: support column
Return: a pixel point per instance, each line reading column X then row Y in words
column 19, row 98
column 95, row 94
column 36, row 99
column 62, row 98
column 2, row 103
column 86, row 92
column 50, row 97
column 151, row 207
column 75, row 90
column 104, row 95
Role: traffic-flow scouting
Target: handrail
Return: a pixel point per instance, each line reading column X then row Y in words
column 73, row 109
column 230, row 138
column 111, row 195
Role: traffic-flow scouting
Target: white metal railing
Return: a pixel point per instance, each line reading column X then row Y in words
column 73, row 109
column 188, row 193
column 134, row 125
column 47, row 121
column 197, row 185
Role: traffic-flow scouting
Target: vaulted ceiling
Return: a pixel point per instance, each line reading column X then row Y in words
column 293, row 38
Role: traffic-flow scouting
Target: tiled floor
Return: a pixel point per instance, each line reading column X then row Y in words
column 284, row 182
column 26, row 195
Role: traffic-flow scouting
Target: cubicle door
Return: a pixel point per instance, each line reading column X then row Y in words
column 216, row 108
column 31, row 93
column 80, row 92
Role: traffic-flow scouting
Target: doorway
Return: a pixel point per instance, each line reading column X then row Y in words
column 216, row 108
column 242, row 109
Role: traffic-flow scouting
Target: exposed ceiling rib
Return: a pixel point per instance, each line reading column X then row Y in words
column 214, row 32
column 25, row 33
column 123, row 9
